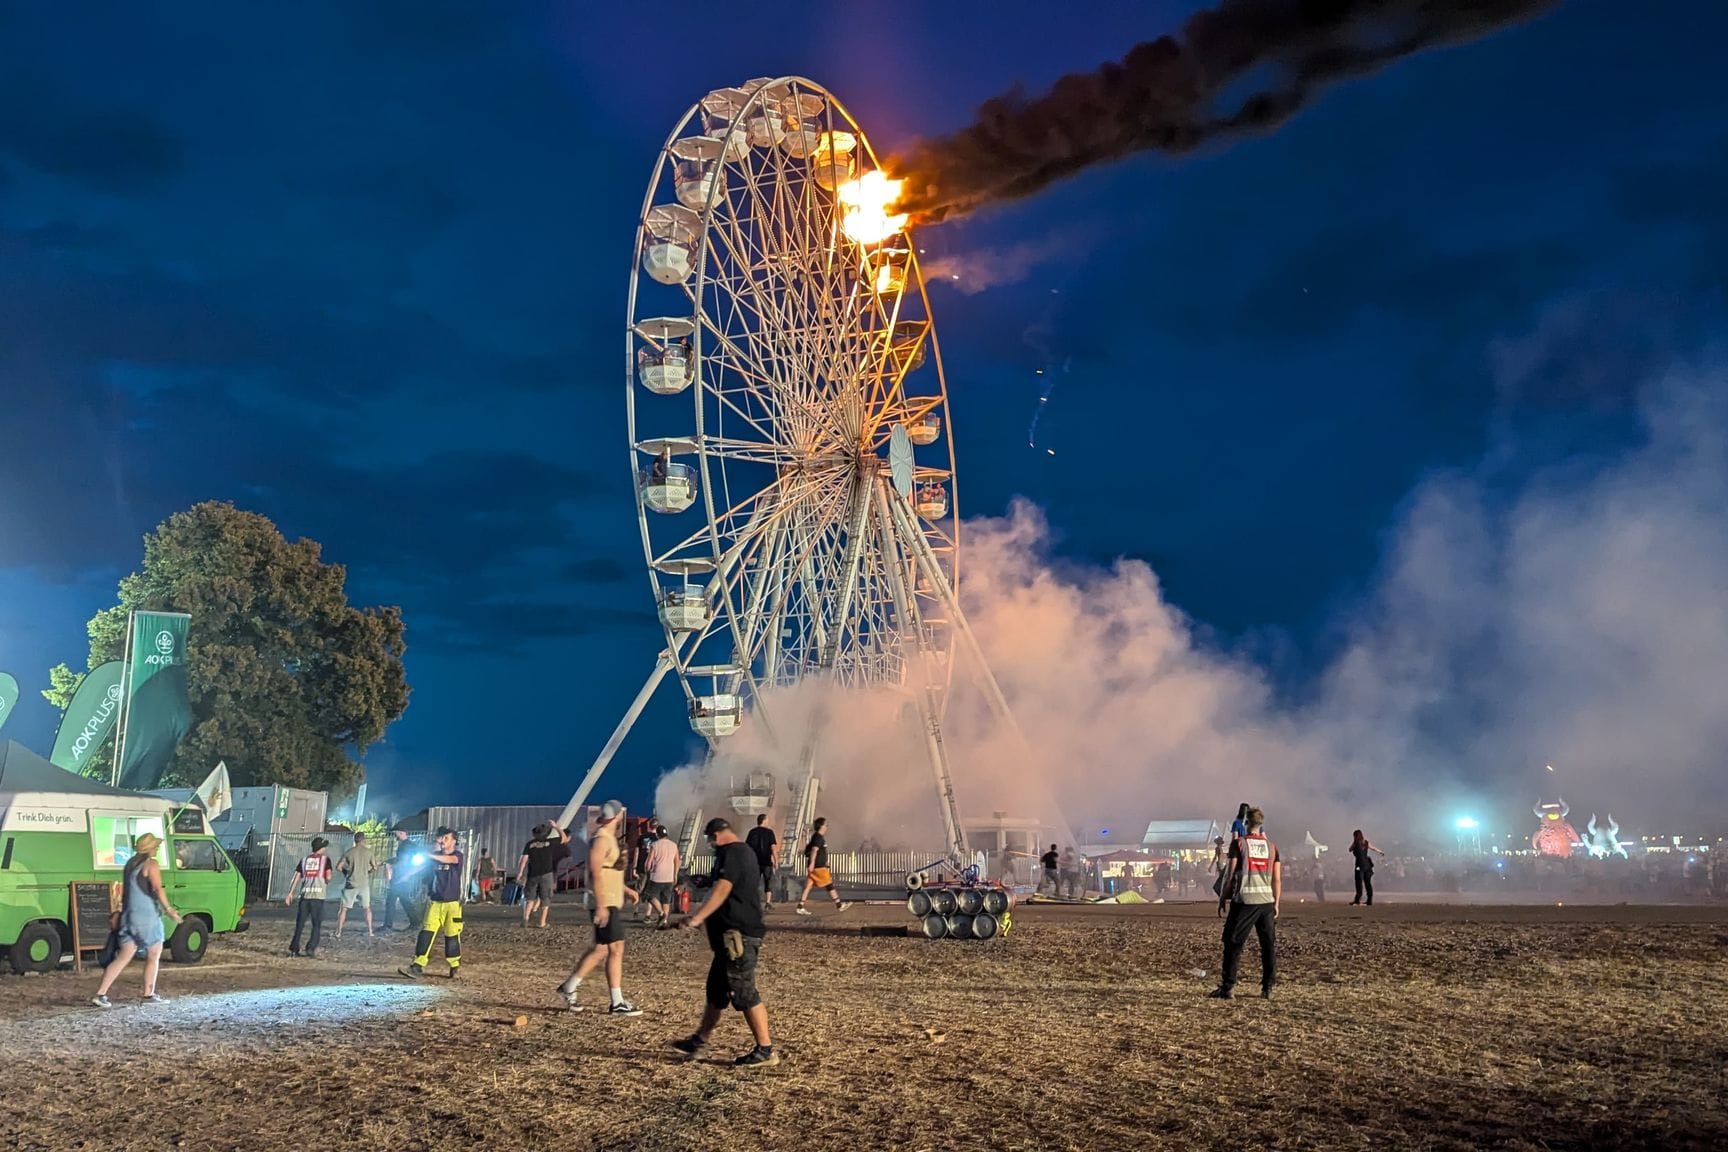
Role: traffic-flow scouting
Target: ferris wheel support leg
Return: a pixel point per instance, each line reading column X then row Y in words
column 982, row 676
column 928, row 713
column 661, row 666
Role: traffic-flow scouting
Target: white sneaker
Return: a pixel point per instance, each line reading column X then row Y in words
column 842, row 906
column 803, row 911
column 155, row 998
column 101, row 1001
column 624, row 1008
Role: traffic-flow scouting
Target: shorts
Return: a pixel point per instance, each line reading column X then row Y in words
column 768, row 878
column 360, row 894
column 143, row 933
column 613, row 930
column 658, row 890
column 733, row 981
column 541, row 887
column 822, row 878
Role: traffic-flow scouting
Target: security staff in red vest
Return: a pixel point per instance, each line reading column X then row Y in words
column 1253, row 883
column 310, row 879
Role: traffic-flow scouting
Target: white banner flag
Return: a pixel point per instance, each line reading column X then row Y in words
column 215, row 794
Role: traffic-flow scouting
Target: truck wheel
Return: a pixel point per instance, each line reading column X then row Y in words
column 190, row 939
column 37, row 948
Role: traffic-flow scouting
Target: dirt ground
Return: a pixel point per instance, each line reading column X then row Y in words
column 1398, row 1027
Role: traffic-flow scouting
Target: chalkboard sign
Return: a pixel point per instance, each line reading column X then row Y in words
column 91, row 905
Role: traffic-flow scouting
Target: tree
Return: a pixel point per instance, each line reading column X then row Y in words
column 62, row 686
column 287, row 681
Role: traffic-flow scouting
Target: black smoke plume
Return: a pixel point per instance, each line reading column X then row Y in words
column 1182, row 92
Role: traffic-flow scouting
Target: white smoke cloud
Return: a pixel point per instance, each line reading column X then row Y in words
column 1577, row 616
column 979, row 269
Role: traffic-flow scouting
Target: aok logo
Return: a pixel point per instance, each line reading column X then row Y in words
column 164, row 648
column 114, row 691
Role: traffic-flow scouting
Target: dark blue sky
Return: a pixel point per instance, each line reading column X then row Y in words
column 363, row 271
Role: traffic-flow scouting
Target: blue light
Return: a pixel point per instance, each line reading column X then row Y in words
column 1103, row 831
column 1466, row 823
column 419, row 857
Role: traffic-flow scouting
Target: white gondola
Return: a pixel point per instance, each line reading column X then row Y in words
column 753, row 795
column 664, row 362
column 665, row 371
column 927, row 429
column 668, row 253
column 698, row 175
column 906, row 346
column 763, row 123
column 669, row 488
column 720, row 110
column 932, row 501
column 685, row 609
column 833, row 162
column 885, row 267
column 800, row 124
column 716, row 715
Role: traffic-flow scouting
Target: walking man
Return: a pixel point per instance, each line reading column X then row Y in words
column 310, row 879
column 443, row 908
column 1052, row 863
column 537, row 871
column 762, row 841
column 400, row 878
column 662, row 868
column 357, row 867
column 1068, row 868
column 486, row 875
column 732, row 916
column 606, row 879
column 816, row 873
column 1252, row 888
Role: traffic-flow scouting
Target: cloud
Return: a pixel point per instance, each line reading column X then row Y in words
column 1571, row 613
column 595, row 570
column 115, row 151
column 980, row 269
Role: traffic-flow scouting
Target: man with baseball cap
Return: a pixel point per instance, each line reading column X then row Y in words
column 537, row 870
column 606, row 879
column 732, row 915
column 310, row 879
column 443, row 908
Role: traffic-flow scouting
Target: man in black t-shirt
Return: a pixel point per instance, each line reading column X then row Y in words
column 1051, row 861
column 762, row 841
column 816, row 873
column 537, row 870
column 732, row 915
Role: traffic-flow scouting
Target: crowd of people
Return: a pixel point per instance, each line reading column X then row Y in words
column 643, row 867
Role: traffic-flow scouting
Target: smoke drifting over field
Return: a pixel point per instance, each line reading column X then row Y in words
column 1579, row 620
column 1244, row 67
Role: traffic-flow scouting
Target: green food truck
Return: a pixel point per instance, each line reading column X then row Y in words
column 58, row 828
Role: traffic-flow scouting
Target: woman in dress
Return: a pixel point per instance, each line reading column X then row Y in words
column 143, row 903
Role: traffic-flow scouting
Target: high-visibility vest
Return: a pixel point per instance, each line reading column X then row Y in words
column 312, row 876
column 1255, row 864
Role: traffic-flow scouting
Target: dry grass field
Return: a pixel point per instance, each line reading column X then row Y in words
column 1401, row 1027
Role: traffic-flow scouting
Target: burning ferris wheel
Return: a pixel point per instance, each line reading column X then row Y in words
column 788, row 422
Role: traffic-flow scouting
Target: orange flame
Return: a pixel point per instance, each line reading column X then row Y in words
column 864, row 208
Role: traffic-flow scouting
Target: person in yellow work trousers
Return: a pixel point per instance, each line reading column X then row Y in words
column 444, row 911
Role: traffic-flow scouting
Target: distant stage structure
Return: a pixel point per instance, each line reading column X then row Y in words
column 789, row 435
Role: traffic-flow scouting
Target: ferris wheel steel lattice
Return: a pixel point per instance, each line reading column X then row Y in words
column 788, row 427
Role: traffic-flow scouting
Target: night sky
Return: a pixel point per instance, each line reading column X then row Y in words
column 362, row 268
